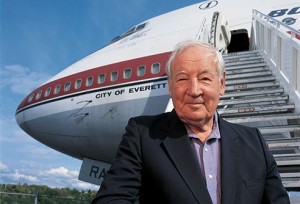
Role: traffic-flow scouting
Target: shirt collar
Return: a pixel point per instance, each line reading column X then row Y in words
column 215, row 133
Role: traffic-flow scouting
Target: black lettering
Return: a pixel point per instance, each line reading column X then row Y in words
column 94, row 170
column 102, row 174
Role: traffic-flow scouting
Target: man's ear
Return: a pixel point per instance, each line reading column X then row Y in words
column 170, row 88
column 222, row 82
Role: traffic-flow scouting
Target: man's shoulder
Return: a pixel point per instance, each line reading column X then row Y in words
column 158, row 119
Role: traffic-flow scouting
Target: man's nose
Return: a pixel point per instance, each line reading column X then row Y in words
column 194, row 88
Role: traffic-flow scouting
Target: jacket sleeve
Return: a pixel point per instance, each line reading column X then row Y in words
column 122, row 181
column 274, row 191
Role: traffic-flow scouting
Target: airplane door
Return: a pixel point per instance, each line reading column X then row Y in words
column 220, row 34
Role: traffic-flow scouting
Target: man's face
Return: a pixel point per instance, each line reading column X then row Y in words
column 195, row 85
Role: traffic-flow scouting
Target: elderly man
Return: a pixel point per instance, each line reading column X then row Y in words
column 191, row 155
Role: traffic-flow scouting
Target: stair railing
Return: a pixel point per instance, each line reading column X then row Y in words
column 279, row 44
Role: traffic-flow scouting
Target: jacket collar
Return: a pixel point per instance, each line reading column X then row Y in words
column 230, row 151
column 179, row 149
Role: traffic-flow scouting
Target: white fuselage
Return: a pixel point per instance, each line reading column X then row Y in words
column 124, row 79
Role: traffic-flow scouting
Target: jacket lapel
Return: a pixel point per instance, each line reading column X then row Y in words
column 179, row 149
column 230, row 149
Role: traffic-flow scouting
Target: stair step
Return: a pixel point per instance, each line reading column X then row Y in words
column 253, row 100
column 255, row 110
column 279, row 129
column 251, row 58
column 291, row 180
column 250, row 80
column 256, row 62
column 245, row 66
column 240, row 87
column 243, row 53
column 287, row 159
column 240, row 71
column 249, row 75
column 246, row 119
column 284, row 143
column 263, row 92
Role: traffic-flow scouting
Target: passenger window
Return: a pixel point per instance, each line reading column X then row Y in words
column 78, row 84
column 57, row 89
column 38, row 95
column 127, row 73
column 67, row 86
column 89, row 81
column 155, row 68
column 141, row 70
column 30, row 98
column 47, row 92
column 101, row 78
column 114, row 76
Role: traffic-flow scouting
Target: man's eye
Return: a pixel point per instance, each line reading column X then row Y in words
column 206, row 79
column 181, row 79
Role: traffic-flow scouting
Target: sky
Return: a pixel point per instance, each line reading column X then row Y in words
column 38, row 39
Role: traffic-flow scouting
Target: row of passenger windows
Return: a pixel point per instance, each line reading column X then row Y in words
column 89, row 81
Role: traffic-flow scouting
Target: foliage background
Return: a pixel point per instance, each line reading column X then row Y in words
column 15, row 194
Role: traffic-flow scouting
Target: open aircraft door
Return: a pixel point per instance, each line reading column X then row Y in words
column 220, row 34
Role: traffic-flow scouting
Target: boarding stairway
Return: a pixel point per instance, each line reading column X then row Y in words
column 254, row 97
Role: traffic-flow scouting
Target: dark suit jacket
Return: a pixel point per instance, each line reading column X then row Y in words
column 155, row 163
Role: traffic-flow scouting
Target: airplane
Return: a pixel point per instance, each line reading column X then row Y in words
column 83, row 110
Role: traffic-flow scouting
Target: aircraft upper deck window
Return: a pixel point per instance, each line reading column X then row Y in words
column 155, row 68
column 38, row 95
column 141, row 26
column 129, row 32
column 67, row 86
column 114, row 76
column 77, row 83
column 141, row 70
column 47, row 92
column 89, row 81
column 57, row 89
column 101, row 78
column 127, row 73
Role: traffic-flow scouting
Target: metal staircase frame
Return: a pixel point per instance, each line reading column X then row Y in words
column 279, row 44
column 263, row 90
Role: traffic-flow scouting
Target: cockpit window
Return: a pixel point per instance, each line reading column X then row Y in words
column 129, row 32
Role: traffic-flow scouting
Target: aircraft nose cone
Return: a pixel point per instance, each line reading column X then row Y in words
column 22, row 122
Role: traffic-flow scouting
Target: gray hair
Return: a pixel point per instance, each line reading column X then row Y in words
column 218, row 59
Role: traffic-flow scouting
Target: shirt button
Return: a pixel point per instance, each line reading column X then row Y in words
column 205, row 149
column 210, row 176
